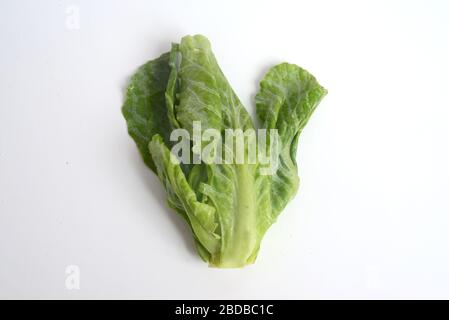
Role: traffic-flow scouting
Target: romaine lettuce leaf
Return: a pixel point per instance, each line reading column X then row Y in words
column 287, row 98
column 230, row 205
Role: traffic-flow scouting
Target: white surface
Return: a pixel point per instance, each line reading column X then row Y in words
column 371, row 219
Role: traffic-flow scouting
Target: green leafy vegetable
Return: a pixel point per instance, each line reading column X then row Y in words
column 228, row 205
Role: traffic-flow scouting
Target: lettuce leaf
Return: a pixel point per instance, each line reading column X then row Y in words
column 287, row 98
column 228, row 206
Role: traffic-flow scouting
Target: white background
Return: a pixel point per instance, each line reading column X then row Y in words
column 371, row 219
